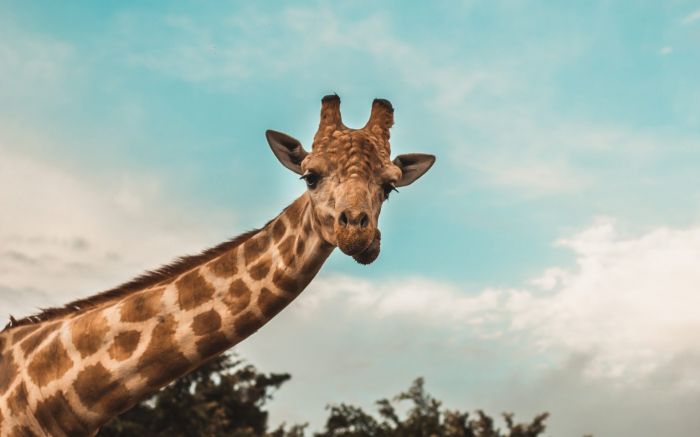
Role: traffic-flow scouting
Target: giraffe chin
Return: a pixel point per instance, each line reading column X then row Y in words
column 370, row 254
column 353, row 240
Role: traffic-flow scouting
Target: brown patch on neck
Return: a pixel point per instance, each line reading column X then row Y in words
column 22, row 332
column 57, row 418
column 255, row 247
column 246, row 324
column 212, row 344
column 99, row 392
column 278, row 230
column 162, row 360
column 141, row 306
column 17, row 402
column 238, row 296
column 286, row 282
column 193, row 290
column 300, row 246
column 22, row 431
column 270, row 304
column 88, row 333
column 50, row 363
column 296, row 211
column 124, row 345
column 260, row 269
column 206, row 323
column 8, row 371
column 34, row 340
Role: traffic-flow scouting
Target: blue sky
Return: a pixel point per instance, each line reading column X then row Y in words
column 567, row 138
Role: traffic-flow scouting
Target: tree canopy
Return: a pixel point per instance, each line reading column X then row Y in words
column 227, row 397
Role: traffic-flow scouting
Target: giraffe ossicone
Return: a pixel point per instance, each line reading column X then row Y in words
column 66, row 371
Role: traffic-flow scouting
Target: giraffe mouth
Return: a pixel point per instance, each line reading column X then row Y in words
column 354, row 240
column 371, row 253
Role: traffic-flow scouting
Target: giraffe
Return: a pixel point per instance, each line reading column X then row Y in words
column 66, row 371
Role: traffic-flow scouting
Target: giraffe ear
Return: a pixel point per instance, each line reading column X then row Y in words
column 288, row 150
column 413, row 166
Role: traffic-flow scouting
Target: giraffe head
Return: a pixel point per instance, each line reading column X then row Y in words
column 349, row 175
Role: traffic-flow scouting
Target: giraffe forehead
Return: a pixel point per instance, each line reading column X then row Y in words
column 353, row 151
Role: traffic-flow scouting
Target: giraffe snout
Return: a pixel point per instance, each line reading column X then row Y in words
column 353, row 217
column 354, row 230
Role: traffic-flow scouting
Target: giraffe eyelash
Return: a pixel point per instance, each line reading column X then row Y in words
column 311, row 179
column 388, row 188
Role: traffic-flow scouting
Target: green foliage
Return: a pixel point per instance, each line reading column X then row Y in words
column 227, row 398
column 424, row 418
column 221, row 398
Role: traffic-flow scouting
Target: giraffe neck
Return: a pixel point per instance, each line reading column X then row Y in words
column 86, row 369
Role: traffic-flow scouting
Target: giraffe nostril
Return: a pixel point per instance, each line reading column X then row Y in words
column 353, row 218
column 364, row 220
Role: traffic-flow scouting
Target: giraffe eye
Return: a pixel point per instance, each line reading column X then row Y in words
column 388, row 188
column 311, row 179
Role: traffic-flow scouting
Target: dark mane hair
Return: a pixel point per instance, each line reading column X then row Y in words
column 145, row 280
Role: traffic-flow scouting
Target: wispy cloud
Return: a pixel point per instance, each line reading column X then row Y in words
column 33, row 66
column 239, row 44
column 629, row 304
column 423, row 300
column 691, row 17
column 65, row 234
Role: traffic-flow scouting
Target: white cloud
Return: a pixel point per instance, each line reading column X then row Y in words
column 667, row 50
column 629, row 304
column 65, row 235
column 533, row 176
column 691, row 17
column 534, row 153
column 435, row 303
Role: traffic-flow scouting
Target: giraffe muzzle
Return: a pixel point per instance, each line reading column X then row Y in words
column 354, row 232
column 370, row 254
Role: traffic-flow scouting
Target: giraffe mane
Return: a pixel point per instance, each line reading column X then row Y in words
column 149, row 278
